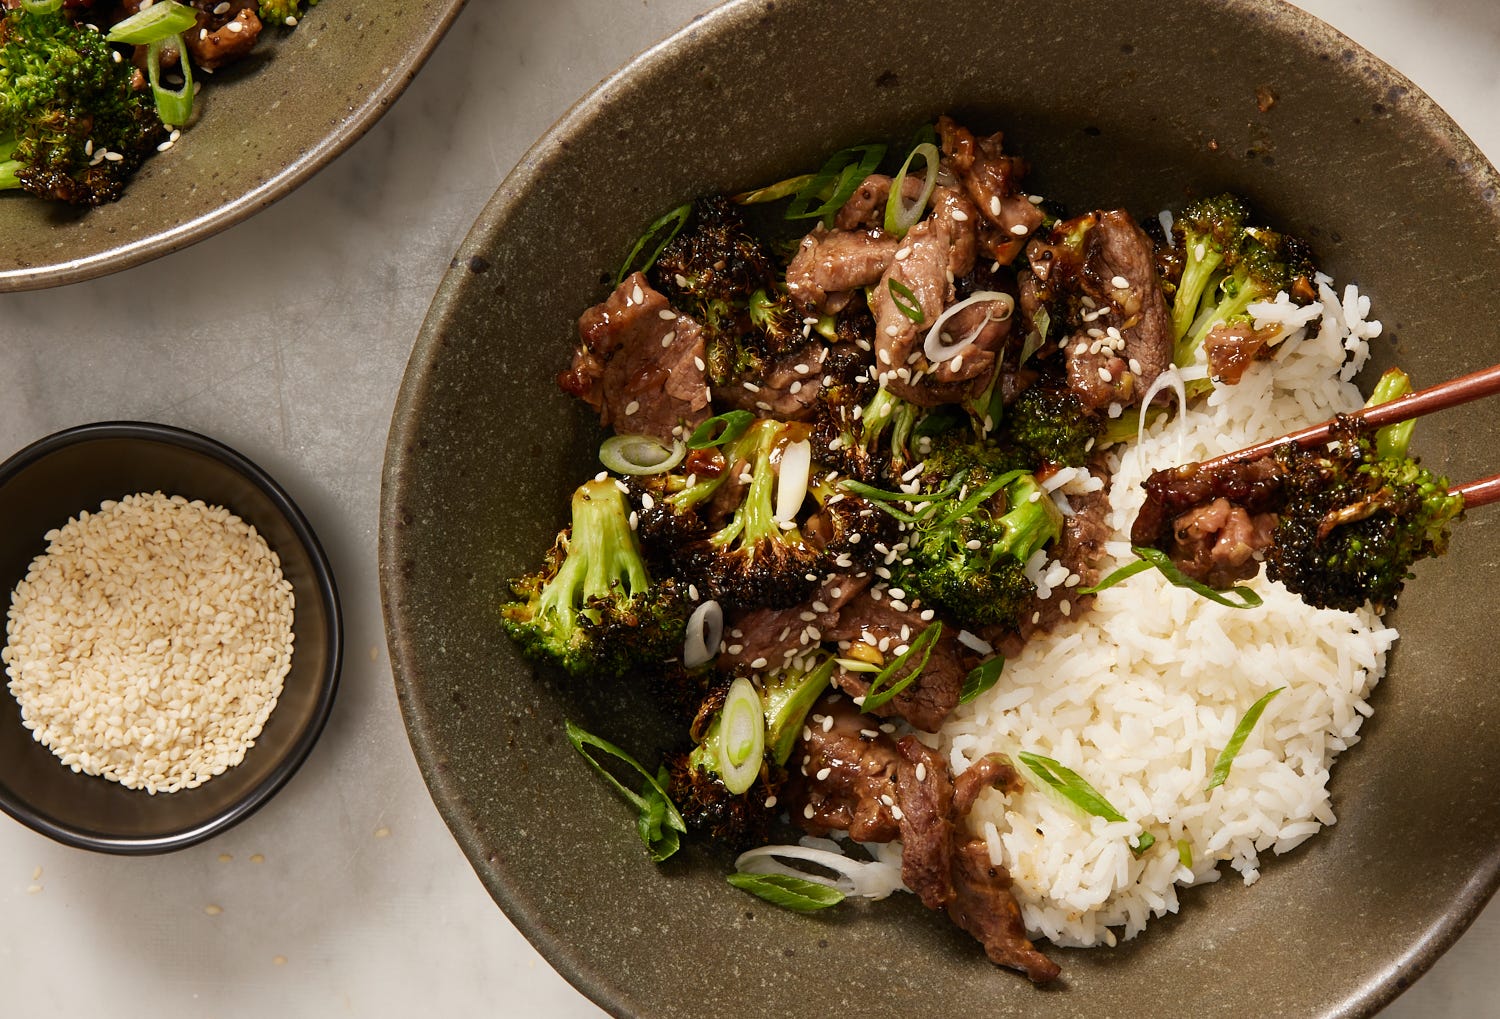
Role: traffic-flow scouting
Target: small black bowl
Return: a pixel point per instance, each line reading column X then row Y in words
column 54, row 479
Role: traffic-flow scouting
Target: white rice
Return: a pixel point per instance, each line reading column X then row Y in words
column 1141, row 694
column 149, row 643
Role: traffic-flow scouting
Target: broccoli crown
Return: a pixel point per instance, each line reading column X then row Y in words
column 1353, row 523
column 1217, row 223
column 283, row 12
column 838, row 431
column 1049, row 423
column 753, row 560
column 968, row 553
column 593, row 608
column 67, row 111
column 710, row 809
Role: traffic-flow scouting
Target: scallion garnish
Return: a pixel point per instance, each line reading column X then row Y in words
column 659, row 824
column 741, row 746
column 774, row 192
column 1155, row 558
column 886, row 685
column 839, row 178
column 157, row 23
column 174, row 108
column 788, row 892
column 1072, row 787
column 640, row 454
column 906, row 301
column 899, row 216
column 1040, row 322
column 981, row 678
column 42, row 6
column 720, row 429
column 670, row 225
column 1231, row 749
column 1185, row 853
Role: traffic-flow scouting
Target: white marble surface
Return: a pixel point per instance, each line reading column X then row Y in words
column 346, row 895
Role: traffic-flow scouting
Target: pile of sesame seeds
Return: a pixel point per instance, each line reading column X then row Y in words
column 149, row 644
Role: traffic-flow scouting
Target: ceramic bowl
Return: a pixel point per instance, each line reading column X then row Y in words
column 1113, row 104
column 265, row 125
column 51, row 481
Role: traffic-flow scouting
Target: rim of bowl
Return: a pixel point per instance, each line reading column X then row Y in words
column 1284, row 18
column 328, row 676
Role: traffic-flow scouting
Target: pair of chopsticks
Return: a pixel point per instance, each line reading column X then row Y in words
column 1452, row 393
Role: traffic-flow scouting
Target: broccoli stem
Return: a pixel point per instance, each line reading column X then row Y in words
column 789, row 696
column 1196, row 276
column 1392, row 441
column 603, row 554
column 1032, row 521
column 887, row 410
column 754, row 520
column 1229, row 306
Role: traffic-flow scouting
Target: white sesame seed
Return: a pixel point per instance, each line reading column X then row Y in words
column 113, row 157
column 960, row 215
column 823, row 773
column 808, row 811
column 666, row 314
column 902, row 253
column 921, row 772
column 896, row 813
column 632, row 407
column 1105, row 376
column 164, row 146
column 693, row 592
column 1135, row 366
column 222, row 9
column 995, row 205
column 698, row 363
column 235, row 26
column 291, row 21
column 1019, row 230
column 1120, row 283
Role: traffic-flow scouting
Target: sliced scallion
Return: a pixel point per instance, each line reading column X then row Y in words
column 886, row 684
column 981, row 678
column 640, row 454
column 899, row 216
column 774, row 192
column 705, row 631
column 1155, row 558
column 157, row 23
column 1236, row 742
column 667, row 227
column 788, row 892
column 1185, row 853
column 839, row 178
column 720, row 430
column 659, row 823
column 906, row 301
column 174, row 108
column 42, row 6
column 1072, row 787
column 741, row 745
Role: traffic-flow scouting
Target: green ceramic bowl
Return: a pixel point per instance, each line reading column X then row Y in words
column 1112, row 103
column 266, row 125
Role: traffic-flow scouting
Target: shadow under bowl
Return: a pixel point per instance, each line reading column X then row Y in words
column 54, row 479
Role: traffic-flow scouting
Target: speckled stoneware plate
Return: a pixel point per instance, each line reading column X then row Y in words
column 265, row 126
column 1113, row 103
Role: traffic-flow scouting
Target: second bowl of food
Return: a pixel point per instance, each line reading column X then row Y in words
column 969, row 345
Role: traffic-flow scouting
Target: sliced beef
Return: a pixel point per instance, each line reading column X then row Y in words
column 873, row 618
column 1098, row 273
column 992, row 180
column 983, row 905
column 830, row 265
column 849, row 776
column 788, row 389
column 224, row 33
column 1256, row 487
column 865, row 209
column 640, row 364
column 1232, row 348
column 1219, row 544
column 775, row 636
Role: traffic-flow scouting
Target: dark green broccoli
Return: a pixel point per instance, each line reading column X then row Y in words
column 1207, row 231
column 967, row 552
column 980, row 460
column 1353, row 521
column 838, row 434
column 283, row 12
column 1265, row 264
column 1048, row 423
column 594, row 609
column 71, row 127
column 755, row 559
column 734, row 800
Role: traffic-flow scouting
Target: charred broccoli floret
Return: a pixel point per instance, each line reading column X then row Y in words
column 283, row 12
column 756, row 559
column 71, row 127
column 593, row 609
column 1264, row 264
column 1207, row 231
column 969, row 548
column 838, row 430
column 958, row 451
column 1048, row 423
column 744, row 734
column 1353, row 522
column 887, row 413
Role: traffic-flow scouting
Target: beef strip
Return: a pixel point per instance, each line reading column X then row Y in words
column 865, row 209
column 830, row 265
column 1256, row 487
column 1099, row 272
column 933, row 696
column 639, row 364
column 775, row 636
column 1218, row 544
column 852, row 777
column 1232, row 348
column 221, row 36
column 992, row 180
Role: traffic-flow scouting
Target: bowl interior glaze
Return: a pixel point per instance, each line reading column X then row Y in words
column 264, row 126
column 46, row 484
column 1113, row 106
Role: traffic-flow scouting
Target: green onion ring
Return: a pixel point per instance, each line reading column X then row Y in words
column 156, row 23
column 640, row 455
column 900, row 217
column 720, row 430
column 742, row 736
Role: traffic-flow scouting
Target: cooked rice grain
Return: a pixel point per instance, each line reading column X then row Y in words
column 148, row 645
